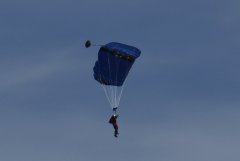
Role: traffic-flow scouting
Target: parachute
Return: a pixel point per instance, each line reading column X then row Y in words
column 112, row 67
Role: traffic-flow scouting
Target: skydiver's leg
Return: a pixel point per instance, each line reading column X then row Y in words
column 116, row 130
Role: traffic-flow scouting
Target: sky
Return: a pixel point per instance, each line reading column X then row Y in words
column 181, row 99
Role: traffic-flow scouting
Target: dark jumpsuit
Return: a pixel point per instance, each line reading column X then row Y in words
column 113, row 121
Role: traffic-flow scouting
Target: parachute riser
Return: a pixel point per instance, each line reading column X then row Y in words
column 115, row 110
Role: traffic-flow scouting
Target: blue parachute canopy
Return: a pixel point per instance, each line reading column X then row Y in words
column 114, row 62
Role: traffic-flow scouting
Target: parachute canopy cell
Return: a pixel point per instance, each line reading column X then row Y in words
column 114, row 63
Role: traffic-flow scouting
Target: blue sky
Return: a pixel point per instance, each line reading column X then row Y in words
column 180, row 102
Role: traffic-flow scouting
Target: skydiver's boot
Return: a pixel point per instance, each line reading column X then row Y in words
column 116, row 133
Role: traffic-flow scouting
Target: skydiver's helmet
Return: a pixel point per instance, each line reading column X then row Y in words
column 115, row 115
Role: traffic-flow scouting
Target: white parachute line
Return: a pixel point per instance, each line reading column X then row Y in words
column 110, row 89
column 115, row 90
column 116, row 87
column 120, row 95
column 110, row 74
column 106, row 93
column 115, row 98
column 112, row 93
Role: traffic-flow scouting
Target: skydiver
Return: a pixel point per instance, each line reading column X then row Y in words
column 113, row 121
